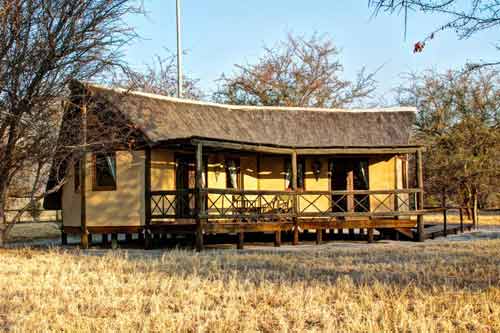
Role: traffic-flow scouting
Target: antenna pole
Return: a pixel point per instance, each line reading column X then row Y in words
column 179, row 49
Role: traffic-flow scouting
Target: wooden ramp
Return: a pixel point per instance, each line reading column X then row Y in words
column 438, row 230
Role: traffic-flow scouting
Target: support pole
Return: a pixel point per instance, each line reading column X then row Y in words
column 147, row 198
column 84, row 240
column 420, row 196
column 277, row 238
column 64, row 238
column 114, row 241
column 370, row 235
column 241, row 240
column 295, row 203
column 319, row 236
column 104, row 240
column 83, row 170
column 445, row 215
column 461, row 212
column 199, row 197
column 179, row 48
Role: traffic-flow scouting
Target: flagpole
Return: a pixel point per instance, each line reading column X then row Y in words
column 179, row 49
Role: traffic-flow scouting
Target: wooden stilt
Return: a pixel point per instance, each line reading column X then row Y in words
column 461, row 212
column 370, row 235
column 445, row 215
column 128, row 237
column 420, row 197
column 64, row 238
column 84, row 240
column 277, row 238
column 148, row 242
column 341, row 233
column 241, row 240
column 114, row 241
column 295, row 240
column 351, row 234
column 156, row 239
column 140, row 236
column 324, row 235
column 104, row 240
column 319, row 236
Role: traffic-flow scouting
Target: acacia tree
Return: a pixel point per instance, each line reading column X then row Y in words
column 45, row 45
column 458, row 121
column 466, row 18
column 296, row 72
column 159, row 77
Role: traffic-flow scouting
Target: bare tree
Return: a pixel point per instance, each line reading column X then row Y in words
column 296, row 72
column 45, row 45
column 458, row 120
column 466, row 18
column 159, row 77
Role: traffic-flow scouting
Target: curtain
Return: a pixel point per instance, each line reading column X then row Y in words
column 111, row 162
column 232, row 174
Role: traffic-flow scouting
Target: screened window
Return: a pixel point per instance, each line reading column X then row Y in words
column 232, row 173
column 104, row 172
column 301, row 174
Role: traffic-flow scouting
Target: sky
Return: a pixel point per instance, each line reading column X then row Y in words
column 218, row 34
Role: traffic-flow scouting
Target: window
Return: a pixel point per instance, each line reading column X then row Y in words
column 76, row 176
column 301, row 174
column 233, row 173
column 104, row 172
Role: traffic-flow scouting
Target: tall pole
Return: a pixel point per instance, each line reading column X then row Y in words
column 179, row 49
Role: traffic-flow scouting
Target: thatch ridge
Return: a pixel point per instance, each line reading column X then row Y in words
column 93, row 86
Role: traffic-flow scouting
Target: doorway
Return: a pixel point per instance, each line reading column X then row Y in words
column 349, row 174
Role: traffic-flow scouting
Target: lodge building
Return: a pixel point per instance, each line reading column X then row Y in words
column 202, row 169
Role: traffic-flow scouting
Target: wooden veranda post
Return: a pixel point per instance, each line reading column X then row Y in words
column 420, row 196
column 147, row 197
column 294, row 189
column 199, row 197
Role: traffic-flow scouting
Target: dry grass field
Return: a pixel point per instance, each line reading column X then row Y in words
column 348, row 287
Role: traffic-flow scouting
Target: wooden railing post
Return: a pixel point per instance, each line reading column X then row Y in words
column 295, row 201
column 461, row 212
column 199, row 197
column 420, row 196
column 445, row 219
column 147, row 198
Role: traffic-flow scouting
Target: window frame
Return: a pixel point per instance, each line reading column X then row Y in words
column 97, row 187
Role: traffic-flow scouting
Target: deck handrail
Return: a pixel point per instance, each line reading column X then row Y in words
column 240, row 203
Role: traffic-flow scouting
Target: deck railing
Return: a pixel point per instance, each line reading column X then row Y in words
column 252, row 205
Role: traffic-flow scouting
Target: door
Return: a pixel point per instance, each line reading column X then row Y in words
column 185, row 180
column 349, row 174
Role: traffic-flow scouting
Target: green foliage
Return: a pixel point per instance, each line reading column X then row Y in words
column 458, row 121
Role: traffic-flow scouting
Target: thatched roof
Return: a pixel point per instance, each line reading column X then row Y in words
column 163, row 118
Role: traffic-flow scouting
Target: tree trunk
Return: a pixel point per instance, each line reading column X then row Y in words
column 475, row 214
column 3, row 217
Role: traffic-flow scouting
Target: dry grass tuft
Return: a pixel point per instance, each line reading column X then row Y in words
column 431, row 287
